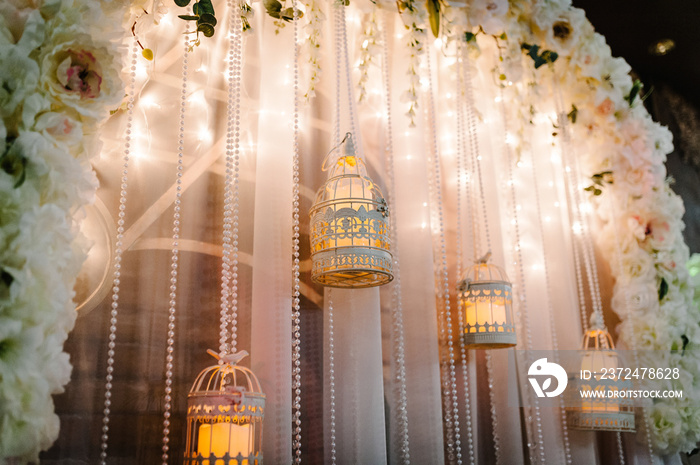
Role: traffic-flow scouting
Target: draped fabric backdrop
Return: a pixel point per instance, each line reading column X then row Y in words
column 365, row 350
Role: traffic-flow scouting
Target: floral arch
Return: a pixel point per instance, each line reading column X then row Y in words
column 494, row 126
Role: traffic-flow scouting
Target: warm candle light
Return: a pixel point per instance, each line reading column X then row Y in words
column 487, row 306
column 220, row 438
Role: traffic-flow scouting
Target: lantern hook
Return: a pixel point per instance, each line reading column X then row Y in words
column 483, row 260
column 332, row 156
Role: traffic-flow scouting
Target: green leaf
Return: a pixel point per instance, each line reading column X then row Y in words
column 573, row 114
column 205, row 8
column 288, row 14
column 549, row 56
column 188, row 17
column 206, row 29
column 206, row 18
column 469, row 37
column 273, row 8
column 663, row 289
column 636, row 88
column 182, row 2
column 433, row 7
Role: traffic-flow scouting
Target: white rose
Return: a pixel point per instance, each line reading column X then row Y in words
column 61, row 127
column 567, row 30
column 589, row 55
column 80, row 73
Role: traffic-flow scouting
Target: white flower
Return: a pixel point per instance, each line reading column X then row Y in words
column 590, row 54
column 489, row 14
column 80, row 73
column 566, row 30
column 666, row 426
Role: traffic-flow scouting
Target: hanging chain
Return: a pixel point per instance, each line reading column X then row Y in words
column 172, row 304
column 118, row 251
column 296, row 312
column 550, row 308
column 443, row 273
column 233, row 147
column 522, row 294
column 331, row 374
column 462, row 174
column 398, row 339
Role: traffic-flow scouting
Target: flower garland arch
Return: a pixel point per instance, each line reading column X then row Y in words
column 60, row 78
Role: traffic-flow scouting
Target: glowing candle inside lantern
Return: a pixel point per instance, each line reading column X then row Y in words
column 599, row 363
column 483, row 311
column 220, row 438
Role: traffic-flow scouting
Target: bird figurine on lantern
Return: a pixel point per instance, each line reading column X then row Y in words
column 350, row 246
column 225, row 410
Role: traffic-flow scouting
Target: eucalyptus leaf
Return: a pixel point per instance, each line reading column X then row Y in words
column 14, row 163
column 188, row 17
column 206, row 18
column 182, row 2
column 205, row 7
column 206, row 29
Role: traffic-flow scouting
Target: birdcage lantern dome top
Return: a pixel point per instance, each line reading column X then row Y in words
column 347, row 178
column 226, row 376
column 484, row 273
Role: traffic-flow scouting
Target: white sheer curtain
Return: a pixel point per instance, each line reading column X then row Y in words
column 366, row 404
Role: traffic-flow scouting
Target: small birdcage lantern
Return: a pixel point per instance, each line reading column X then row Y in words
column 350, row 244
column 225, row 410
column 487, row 303
column 603, row 409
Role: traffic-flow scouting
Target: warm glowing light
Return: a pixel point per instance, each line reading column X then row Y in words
column 220, row 438
column 486, row 300
column 577, row 228
column 438, row 43
column 349, row 225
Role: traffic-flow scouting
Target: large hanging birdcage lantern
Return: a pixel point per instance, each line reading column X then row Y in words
column 602, row 409
column 350, row 244
column 487, row 302
column 225, row 409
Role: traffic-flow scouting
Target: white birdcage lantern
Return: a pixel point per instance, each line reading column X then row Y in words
column 225, row 409
column 605, row 411
column 350, row 245
column 487, row 302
